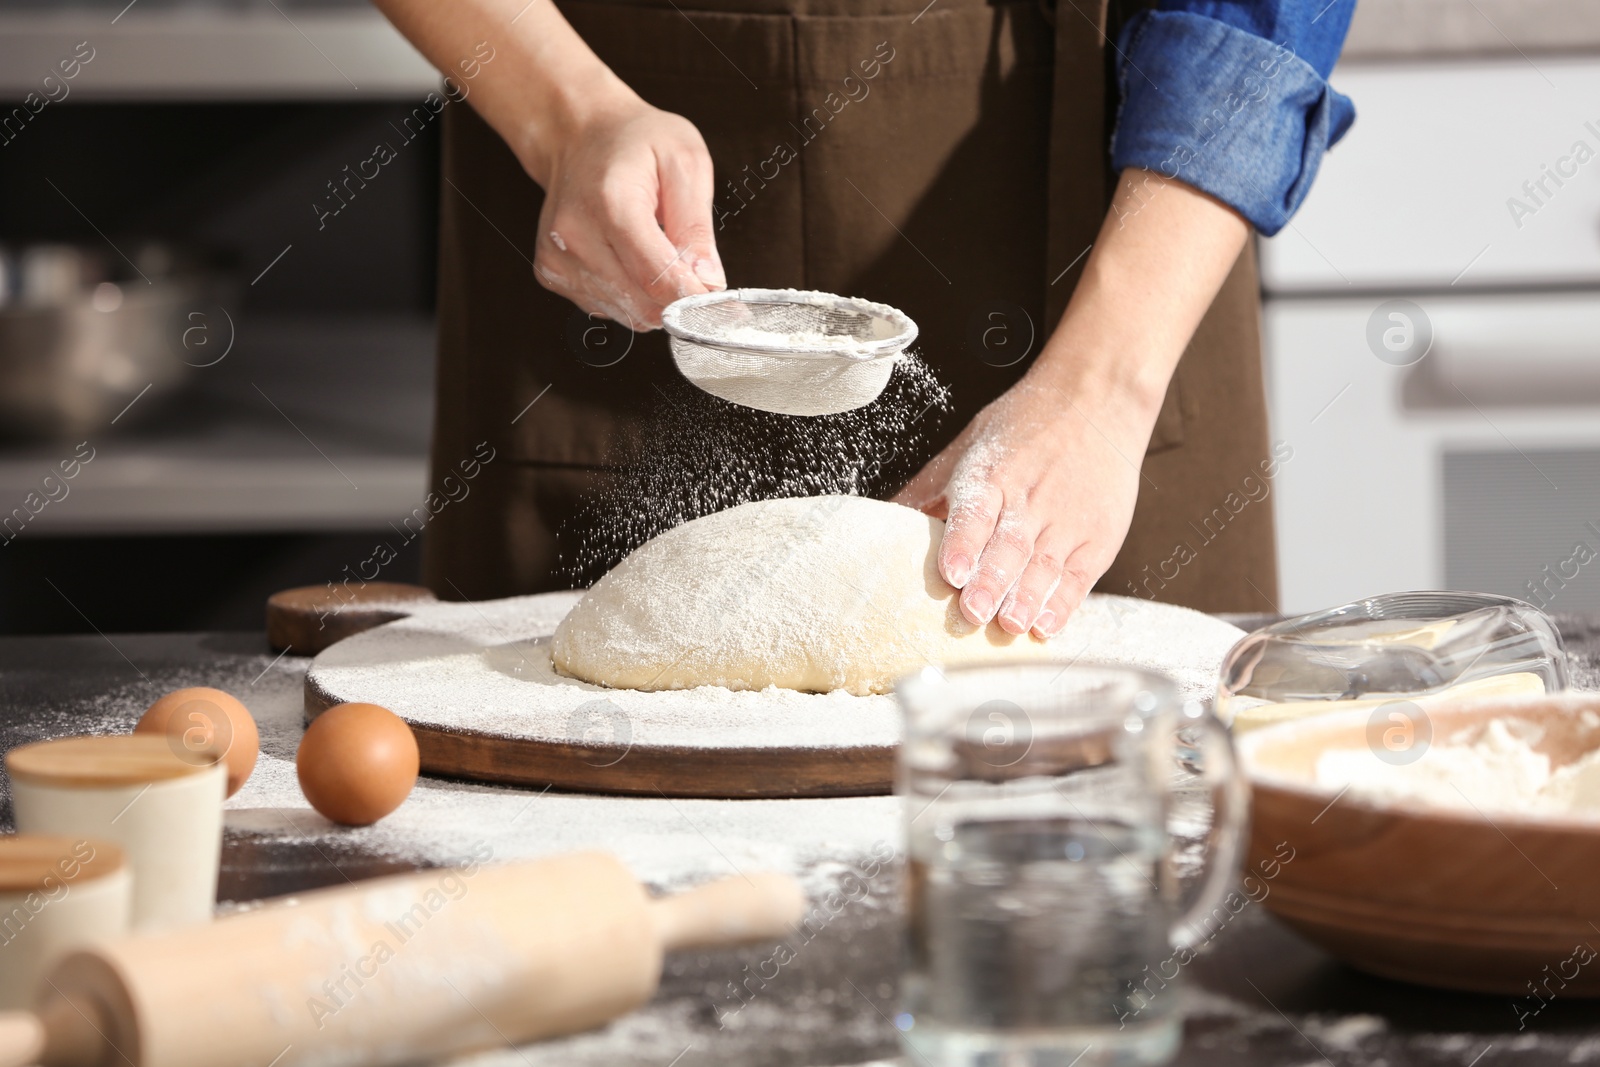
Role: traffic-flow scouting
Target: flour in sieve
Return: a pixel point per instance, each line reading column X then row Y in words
column 784, row 385
column 799, row 341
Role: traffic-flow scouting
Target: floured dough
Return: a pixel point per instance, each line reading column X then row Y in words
column 808, row 593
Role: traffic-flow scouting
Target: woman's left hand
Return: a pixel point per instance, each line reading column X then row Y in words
column 1039, row 489
column 1038, row 492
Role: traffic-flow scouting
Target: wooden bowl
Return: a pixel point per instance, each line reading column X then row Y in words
column 1487, row 902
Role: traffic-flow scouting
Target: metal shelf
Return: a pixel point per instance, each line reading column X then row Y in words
column 254, row 478
column 341, row 445
column 154, row 53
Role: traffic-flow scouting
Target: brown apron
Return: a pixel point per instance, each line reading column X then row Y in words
column 947, row 158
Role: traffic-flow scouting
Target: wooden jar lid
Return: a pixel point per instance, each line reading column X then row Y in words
column 29, row 861
column 105, row 762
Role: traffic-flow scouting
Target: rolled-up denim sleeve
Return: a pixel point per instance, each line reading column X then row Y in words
column 1233, row 98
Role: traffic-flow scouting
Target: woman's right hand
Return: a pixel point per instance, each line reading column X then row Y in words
column 626, row 227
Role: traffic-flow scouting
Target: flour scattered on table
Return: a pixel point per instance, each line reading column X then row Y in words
column 485, row 668
column 668, row 843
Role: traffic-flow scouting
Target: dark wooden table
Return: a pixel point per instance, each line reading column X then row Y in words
column 1260, row 995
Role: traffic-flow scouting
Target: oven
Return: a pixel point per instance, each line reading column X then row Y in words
column 1432, row 335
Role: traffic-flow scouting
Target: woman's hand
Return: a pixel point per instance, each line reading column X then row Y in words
column 1038, row 492
column 626, row 226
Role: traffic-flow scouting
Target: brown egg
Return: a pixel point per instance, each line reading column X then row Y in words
column 201, row 719
column 357, row 763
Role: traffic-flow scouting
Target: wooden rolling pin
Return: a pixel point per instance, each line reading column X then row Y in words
column 394, row 970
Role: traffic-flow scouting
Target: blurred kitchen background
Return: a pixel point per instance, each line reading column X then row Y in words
column 269, row 368
column 205, row 132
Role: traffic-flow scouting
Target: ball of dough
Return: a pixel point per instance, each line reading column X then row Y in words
column 201, row 719
column 807, row 593
column 357, row 763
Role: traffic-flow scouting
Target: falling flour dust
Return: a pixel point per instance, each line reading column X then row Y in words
column 706, row 455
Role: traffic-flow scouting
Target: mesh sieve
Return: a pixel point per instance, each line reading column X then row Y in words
column 787, row 351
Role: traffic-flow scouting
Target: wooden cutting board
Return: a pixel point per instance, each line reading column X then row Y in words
column 308, row 619
column 475, row 683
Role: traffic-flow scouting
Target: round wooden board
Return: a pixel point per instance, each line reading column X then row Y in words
column 475, row 683
column 310, row 618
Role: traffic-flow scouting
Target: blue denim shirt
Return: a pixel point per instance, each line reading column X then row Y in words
column 1232, row 97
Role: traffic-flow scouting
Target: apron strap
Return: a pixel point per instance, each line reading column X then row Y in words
column 1080, row 180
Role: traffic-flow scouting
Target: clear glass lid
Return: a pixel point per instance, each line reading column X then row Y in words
column 1428, row 643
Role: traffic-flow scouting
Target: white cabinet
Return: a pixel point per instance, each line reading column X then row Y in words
column 1471, row 189
column 1420, row 192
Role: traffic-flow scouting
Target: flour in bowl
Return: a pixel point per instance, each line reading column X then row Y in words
column 1498, row 771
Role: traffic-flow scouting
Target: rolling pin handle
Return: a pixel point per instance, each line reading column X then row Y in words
column 21, row 1039
column 759, row 907
column 72, row 1033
